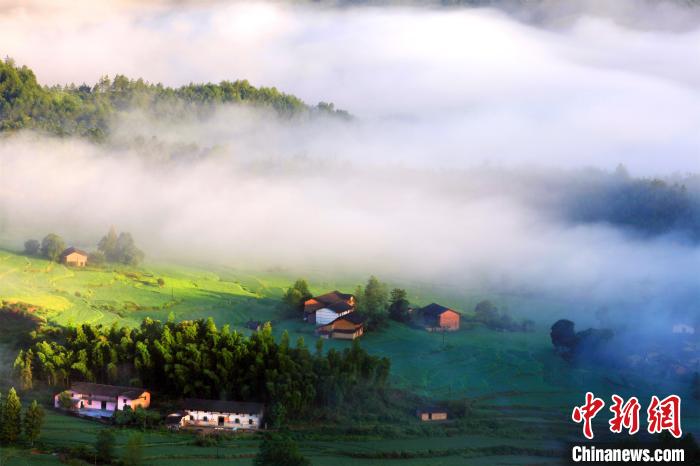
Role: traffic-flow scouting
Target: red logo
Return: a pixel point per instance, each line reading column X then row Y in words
column 665, row 415
column 587, row 412
column 661, row 415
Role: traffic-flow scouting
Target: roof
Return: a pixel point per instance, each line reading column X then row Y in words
column 431, row 409
column 353, row 317
column 87, row 388
column 220, row 406
column 340, row 306
column 434, row 310
column 333, row 297
column 71, row 250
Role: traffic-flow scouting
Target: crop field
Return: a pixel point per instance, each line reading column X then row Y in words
column 168, row 448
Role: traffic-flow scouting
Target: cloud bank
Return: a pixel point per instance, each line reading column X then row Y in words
column 408, row 189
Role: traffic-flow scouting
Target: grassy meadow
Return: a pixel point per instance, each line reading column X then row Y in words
column 514, row 379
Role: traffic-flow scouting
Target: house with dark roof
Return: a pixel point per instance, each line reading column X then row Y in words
column 440, row 318
column 218, row 414
column 94, row 399
column 324, row 309
column 74, row 256
column 346, row 327
column 431, row 413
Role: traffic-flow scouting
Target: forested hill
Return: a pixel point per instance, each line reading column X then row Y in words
column 88, row 110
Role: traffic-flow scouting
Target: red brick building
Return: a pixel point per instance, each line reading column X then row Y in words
column 440, row 318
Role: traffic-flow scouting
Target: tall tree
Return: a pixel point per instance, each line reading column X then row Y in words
column 23, row 365
column 374, row 302
column 108, row 245
column 33, row 420
column 52, row 246
column 295, row 296
column 11, row 425
column 399, row 305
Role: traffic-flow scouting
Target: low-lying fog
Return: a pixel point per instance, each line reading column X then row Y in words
column 471, row 129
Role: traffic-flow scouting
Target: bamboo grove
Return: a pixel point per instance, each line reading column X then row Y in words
column 196, row 359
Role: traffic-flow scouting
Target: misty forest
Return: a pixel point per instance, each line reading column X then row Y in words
column 345, row 233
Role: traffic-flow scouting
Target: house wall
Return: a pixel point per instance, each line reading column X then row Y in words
column 432, row 416
column 211, row 419
column 111, row 404
column 449, row 320
column 76, row 259
column 326, row 316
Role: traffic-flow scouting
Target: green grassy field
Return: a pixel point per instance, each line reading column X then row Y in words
column 513, row 377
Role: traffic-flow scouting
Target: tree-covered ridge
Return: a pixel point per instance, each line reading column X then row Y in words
column 88, row 110
column 195, row 359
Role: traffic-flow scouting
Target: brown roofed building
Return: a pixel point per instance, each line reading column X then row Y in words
column 327, row 307
column 440, row 318
column 346, row 327
column 431, row 413
column 75, row 257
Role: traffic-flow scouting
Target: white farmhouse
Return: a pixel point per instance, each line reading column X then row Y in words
column 219, row 414
column 94, row 399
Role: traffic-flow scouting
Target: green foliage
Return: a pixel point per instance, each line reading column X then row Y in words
column 279, row 450
column 488, row 314
column 133, row 451
column 372, row 303
column 195, row 359
column 87, row 111
column 52, row 246
column 23, row 365
column 120, row 248
column 31, row 247
column 11, row 425
column 399, row 306
column 65, row 400
column 104, row 445
column 138, row 417
column 33, row 420
column 295, row 296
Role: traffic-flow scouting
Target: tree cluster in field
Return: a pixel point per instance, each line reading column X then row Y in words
column 88, row 111
column 120, row 249
column 195, row 359
column 16, row 427
column 373, row 301
column 111, row 248
column 279, row 449
column 488, row 314
column 570, row 344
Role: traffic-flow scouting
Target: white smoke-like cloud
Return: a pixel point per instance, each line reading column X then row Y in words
column 402, row 190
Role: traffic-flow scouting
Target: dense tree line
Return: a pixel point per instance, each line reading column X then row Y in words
column 650, row 206
column 196, row 359
column 88, row 110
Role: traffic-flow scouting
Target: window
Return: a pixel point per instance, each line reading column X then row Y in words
column 205, row 418
column 250, row 422
column 191, row 417
column 237, row 421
